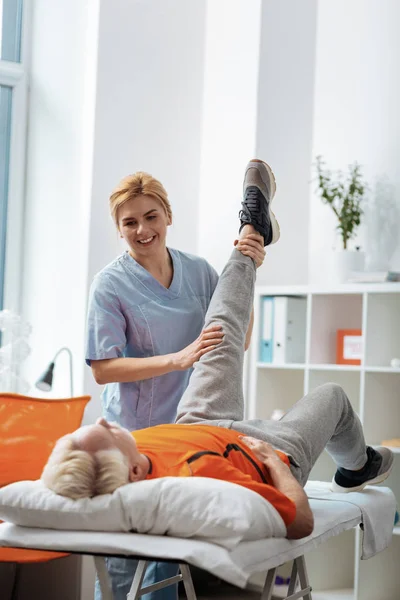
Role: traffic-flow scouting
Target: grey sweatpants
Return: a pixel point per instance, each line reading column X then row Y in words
column 322, row 419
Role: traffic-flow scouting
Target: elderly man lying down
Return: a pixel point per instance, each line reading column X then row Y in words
column 210, row 437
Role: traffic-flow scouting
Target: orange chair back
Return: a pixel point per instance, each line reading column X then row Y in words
column 29, row 429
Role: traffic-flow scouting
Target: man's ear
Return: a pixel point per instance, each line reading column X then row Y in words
column 135, row 473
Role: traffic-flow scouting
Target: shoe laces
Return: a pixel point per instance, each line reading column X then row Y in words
column 251, row 206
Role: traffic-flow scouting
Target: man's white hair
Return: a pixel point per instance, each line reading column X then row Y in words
column 76, row 473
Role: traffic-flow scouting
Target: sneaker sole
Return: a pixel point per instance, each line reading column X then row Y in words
column 342, row 490
column 276, row 231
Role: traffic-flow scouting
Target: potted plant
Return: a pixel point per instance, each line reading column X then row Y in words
column 345, row 196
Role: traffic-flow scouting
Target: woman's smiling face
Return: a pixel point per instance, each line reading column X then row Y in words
column 142, row 223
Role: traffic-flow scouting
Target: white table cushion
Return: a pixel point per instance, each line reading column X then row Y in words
column 188, row 507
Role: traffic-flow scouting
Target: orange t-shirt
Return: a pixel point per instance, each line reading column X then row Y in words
column 209, row 451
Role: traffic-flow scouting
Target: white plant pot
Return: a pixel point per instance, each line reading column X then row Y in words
column 345, row 262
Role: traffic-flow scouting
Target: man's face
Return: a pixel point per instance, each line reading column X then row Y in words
column 107, row 436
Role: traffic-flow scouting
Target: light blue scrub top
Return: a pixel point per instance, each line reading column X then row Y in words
column 131, row 314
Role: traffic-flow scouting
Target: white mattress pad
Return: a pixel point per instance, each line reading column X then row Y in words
column 235, row 566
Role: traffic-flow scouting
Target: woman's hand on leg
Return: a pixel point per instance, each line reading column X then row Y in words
column 208, row 339
column 252, row 245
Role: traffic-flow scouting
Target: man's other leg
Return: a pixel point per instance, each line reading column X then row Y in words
column 323, row 419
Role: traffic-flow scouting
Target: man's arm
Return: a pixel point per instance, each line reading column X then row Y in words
column 216, row 466
column 283, row 480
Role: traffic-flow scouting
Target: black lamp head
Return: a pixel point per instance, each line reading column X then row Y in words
column 45, row 382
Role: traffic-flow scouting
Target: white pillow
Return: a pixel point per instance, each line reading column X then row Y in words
column 190, row 507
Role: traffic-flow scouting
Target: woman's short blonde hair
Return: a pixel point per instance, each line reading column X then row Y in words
column 75, row 473
column 138, row 184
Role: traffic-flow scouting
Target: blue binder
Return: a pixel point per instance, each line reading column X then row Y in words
column 266, row 331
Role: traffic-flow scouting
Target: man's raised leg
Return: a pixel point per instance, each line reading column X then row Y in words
column 215, row 390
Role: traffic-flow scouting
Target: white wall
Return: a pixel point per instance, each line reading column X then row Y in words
column 284, row 129
column 357, row 116
column 229, row 121
column 148, row 110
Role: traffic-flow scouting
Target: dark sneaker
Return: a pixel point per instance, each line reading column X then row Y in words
column 377, row 468
column 258, row 190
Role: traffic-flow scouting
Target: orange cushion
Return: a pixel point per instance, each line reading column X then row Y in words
column 29, row 428
column 18, row 555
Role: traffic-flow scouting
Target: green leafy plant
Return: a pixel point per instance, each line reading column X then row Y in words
column 343, row 195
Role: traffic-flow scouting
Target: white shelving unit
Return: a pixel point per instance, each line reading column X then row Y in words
column 373, row 388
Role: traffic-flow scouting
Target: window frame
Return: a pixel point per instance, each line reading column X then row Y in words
column 15, row 76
